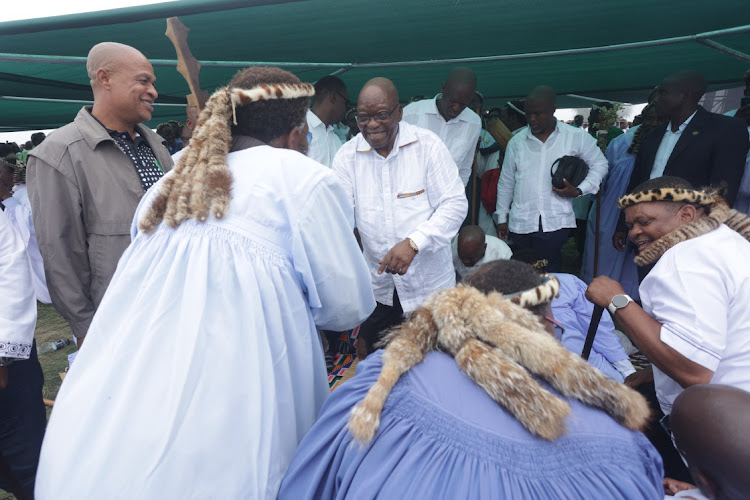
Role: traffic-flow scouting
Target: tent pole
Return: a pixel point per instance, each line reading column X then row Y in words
column 700, row 37
column 73, row 101
column 724, row 49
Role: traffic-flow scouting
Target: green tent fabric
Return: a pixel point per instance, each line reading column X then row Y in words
column 607, row 50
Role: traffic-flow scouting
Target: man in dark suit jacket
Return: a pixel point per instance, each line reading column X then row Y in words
column 701, row 147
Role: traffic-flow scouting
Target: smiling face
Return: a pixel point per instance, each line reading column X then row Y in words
column 649, row 221
column 131, row 89
column 380, row 133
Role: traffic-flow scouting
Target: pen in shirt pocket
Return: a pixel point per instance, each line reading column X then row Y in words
column 410, row 195
column 158, row 165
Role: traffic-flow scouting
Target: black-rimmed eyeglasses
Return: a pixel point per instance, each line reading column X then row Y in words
column 380, row 116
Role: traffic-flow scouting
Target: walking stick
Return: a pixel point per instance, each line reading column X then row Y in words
column 596, row 231
column 596, row 317
column 474, row 181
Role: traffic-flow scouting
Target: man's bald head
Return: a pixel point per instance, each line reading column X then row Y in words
column 540, row 109
column 108, row 56
column 462, row 75
column 711, row 426
column 471, row 245
column 382, row 89
column 123, row 82
column 457, row 92
column 544, row 94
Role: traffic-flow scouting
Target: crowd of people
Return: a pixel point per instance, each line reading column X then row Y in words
column 201, row 268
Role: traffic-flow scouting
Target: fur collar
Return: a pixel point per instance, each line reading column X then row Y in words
column 718, row 213
column 502, row 347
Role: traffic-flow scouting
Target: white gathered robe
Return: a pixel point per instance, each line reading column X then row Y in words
column 202, row 369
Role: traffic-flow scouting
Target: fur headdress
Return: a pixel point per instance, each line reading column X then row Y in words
column 717, row 213
column 201, row 182
column 500, row 346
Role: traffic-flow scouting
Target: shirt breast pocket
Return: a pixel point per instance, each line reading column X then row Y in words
column 412, row 207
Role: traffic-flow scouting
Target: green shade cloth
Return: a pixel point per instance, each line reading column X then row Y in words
column 368, row 33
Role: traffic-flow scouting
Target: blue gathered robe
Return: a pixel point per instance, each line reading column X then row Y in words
column 442, row 436
column 617, row 265
column 574, row 311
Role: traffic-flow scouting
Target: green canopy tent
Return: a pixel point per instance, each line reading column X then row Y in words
column 607, row 50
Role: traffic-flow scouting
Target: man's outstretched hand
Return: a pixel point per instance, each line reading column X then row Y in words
column 398, row 259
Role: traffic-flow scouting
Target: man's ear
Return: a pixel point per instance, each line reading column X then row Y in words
column 688, row 213
column 102, row 77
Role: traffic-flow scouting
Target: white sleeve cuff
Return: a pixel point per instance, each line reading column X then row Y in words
column 419, row 239
column 624, row 366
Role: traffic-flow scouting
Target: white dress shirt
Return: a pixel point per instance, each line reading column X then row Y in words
column 325, row 143
column 460, row 135
column 699, row 291
column 497, row 249
column 666, row 146
column 526, row 181
column 415, row 192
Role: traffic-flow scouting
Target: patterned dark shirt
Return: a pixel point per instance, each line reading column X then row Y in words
column 141, row 156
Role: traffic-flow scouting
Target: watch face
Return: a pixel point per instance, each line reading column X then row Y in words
column 620, row 301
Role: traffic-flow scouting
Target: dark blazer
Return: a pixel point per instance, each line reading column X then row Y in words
column 711, row 151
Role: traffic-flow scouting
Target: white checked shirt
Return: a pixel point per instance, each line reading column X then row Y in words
column 460, row 135
column 524, row 191
column 414, row 192
column 325, row 143
column 666, row 146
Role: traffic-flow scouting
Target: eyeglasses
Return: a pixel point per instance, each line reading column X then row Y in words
column 347, row 102
column 380, row 116
column 557, row 326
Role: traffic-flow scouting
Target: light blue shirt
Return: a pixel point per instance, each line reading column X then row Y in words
column 666, row 147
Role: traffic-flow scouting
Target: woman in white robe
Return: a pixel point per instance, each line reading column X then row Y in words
column 202, row 369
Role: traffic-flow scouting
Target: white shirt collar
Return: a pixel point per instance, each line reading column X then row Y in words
column 404, row 137
column 681, row 127
column 312, row 119
column 433, row 110
column 530, row 135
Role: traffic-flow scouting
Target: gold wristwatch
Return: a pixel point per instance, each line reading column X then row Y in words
column 413, row 245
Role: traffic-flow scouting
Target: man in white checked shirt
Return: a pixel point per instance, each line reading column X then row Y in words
column 536, row 214
column 408, row 202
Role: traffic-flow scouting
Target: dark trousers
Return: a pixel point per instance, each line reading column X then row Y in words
column 22, row 421
column 548, row 245
column 380, row 321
